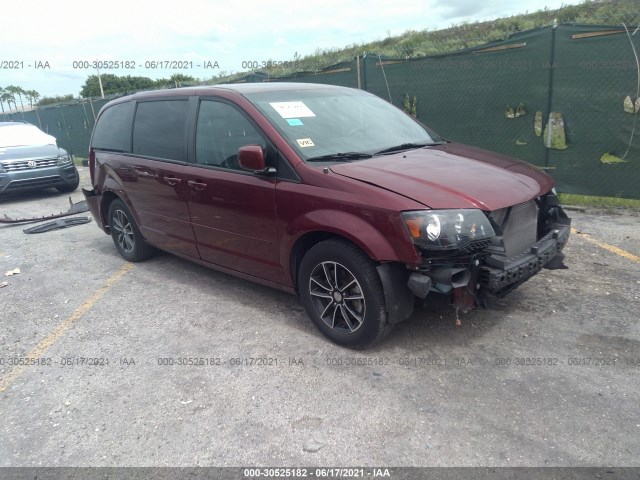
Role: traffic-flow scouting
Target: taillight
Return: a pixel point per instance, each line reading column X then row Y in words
column 92, row 164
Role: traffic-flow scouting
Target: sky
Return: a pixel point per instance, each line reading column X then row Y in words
column 47, row 48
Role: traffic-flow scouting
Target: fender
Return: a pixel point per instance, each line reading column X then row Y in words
column 378, row 246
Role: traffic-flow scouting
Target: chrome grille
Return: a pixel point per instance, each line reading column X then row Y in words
column 521, row 228
column 16, row 165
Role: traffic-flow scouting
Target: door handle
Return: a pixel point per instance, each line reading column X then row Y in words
column 172, row 180
column 197, row 185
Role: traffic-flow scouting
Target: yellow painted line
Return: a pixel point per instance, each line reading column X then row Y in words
column 63, row 327
column 606, row 246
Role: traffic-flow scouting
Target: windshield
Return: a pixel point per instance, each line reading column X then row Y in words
column 339, row 124
column 24, row 135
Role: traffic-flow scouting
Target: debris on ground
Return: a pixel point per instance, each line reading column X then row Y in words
column 12, row 272
column 74, row 208
column 57, row 224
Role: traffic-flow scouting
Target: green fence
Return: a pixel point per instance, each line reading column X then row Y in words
column 501, row 96
column 71, row 124
column 562, row 98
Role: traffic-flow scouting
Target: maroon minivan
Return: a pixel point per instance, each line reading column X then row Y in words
column 328, row 192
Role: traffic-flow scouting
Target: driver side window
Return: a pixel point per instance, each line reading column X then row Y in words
column 221, row 130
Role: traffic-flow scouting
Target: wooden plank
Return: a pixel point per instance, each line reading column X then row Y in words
column 389, row 62
column 501, row 47
column 600, row 33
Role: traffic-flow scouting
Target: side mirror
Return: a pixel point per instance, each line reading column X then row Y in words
column 250, row 157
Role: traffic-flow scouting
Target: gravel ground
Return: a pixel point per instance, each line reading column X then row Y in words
column 545, row 377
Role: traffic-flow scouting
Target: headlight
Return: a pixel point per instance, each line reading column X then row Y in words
column 64, row 159
column 447, row 229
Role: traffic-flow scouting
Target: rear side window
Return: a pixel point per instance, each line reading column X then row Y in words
column 160, row 129
column 113, row 130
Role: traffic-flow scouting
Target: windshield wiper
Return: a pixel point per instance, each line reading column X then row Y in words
column 406, row 146
column 342, row 156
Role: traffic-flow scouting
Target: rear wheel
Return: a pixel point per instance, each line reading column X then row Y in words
column 125, row 233
column 342, row 293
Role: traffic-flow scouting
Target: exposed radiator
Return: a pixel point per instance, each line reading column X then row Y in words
column 519, row 226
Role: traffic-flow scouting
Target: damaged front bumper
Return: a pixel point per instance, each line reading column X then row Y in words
column 499, row 277
column 502, row 263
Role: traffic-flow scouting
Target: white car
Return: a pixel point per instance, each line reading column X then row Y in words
column 31, row 159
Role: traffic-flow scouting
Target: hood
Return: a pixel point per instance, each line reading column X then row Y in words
column 30, row 153
column 452, row 176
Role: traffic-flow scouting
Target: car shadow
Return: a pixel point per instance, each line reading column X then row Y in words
column 432, row 325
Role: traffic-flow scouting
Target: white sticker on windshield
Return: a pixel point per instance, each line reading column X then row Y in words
column 292, row 109
column 305, row 142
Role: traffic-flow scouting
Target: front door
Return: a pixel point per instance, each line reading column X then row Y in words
column 232, row 211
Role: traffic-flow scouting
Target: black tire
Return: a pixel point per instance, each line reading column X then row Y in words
column 71, row 187
column 353, row 314
column 125, row 233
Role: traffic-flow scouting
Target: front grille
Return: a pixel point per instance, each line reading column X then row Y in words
column 519, row 225
column 17, row 165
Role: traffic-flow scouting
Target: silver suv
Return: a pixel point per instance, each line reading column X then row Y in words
column 31, row 159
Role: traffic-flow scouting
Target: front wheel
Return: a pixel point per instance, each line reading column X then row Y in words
column 125, row 233
column 341, row 292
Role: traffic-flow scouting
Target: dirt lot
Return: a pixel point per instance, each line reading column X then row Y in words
column 546, row 377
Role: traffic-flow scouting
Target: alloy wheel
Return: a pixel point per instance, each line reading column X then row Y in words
column 337, row 297
column 124, row 231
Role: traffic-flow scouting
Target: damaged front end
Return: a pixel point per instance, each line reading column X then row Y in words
column 471, row 254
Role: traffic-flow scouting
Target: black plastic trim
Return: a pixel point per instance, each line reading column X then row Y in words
column 500, row 281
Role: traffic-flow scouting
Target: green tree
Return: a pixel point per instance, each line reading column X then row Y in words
column 175, row 80
column 55, row 99
column 113, row 84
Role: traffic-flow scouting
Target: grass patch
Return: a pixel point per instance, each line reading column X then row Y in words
column 78, row 161
column 603, row 202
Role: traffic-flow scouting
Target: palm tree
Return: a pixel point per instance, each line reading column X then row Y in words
column 16, row 90
column 20, row 91
column 12, row 89
column 5, row 96
column 9, row 99
column 2, row 94
column 33, row 96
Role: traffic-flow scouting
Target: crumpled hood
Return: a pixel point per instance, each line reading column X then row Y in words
column 452, row 176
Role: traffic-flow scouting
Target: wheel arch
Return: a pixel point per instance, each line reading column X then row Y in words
column 111, row 191
column 319, row 225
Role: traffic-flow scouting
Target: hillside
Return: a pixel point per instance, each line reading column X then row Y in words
column 413, row 43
